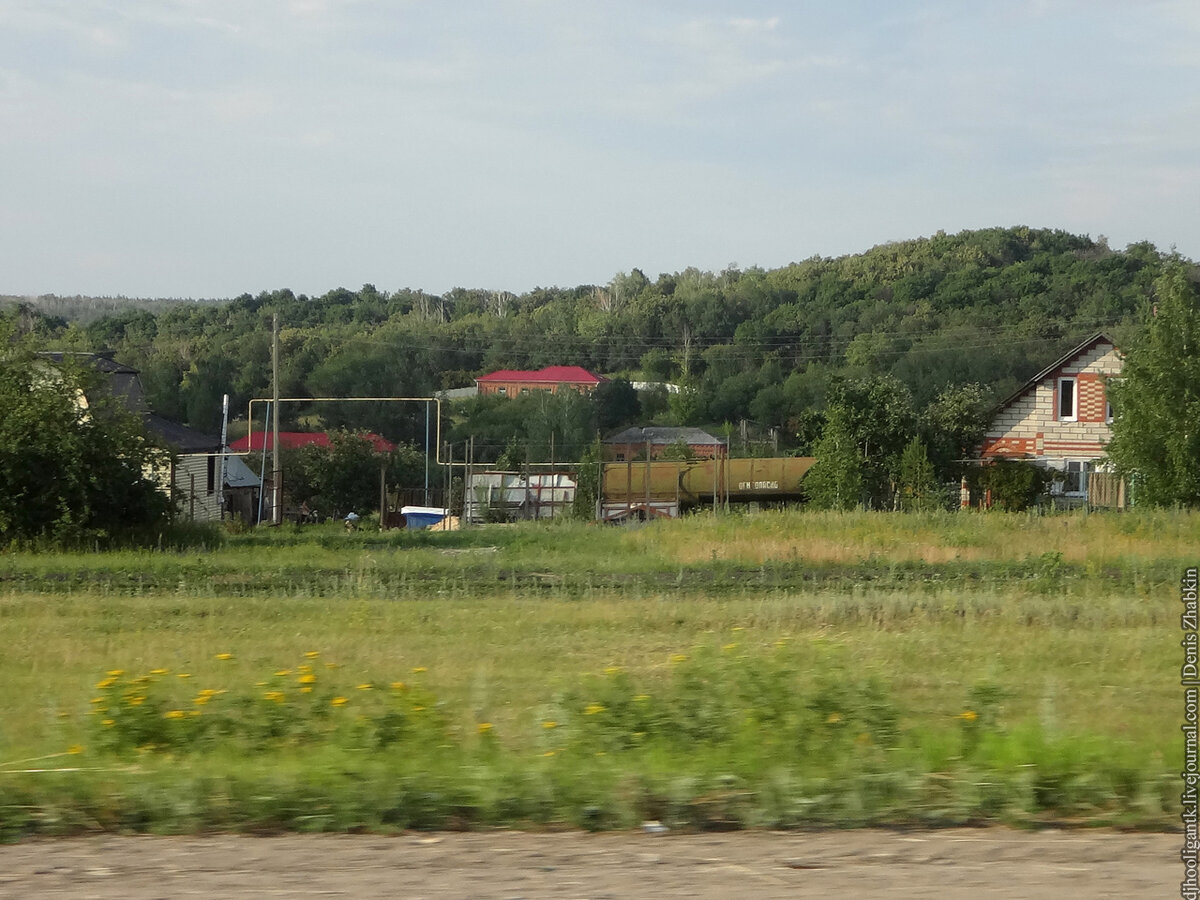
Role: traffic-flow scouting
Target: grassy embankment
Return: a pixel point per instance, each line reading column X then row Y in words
column 776, row 670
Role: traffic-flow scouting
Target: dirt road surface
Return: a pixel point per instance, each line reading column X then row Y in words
column 948, row 865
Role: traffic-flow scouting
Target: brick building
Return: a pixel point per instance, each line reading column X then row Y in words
column 632, row 443
column 553, row 379
column 1061, row 418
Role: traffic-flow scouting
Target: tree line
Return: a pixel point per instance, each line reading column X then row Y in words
column 908, row 340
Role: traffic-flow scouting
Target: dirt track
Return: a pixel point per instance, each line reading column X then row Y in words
column 956, row 863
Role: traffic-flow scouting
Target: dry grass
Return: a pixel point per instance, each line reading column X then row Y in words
column 847, row 538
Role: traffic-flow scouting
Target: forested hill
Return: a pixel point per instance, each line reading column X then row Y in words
column 990, row 306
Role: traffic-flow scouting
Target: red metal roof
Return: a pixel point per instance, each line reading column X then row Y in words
column 550, row 374
column 293, row 439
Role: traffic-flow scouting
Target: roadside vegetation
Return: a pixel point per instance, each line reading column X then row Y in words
column 777, row 670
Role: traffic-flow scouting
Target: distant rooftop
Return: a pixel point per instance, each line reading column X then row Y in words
column 662, row 434
column 548, row 375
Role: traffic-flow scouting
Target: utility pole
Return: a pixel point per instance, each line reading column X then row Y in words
column 224, row 438
column 276, row 470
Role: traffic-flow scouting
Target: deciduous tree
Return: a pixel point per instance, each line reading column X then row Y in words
column 1156, row 401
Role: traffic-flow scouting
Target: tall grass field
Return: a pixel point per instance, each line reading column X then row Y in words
column 781, row 670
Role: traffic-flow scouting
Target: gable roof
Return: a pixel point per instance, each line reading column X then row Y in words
column 548, row 375
column 293, row 439
column 180, row 438
column 1077, row 350
column 661, row 434
column 123, row 383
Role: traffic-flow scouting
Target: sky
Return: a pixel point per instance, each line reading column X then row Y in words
column 209, row 148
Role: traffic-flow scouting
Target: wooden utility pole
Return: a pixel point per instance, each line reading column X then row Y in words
column 276, row 469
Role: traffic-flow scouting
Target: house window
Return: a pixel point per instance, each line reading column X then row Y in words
column 524, row 391
column 1075, row 482
column 1066, row 400
column 502, row 391
column 212, row 474
column 1108, row 416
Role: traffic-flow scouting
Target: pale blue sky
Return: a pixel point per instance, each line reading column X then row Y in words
column 205, row 148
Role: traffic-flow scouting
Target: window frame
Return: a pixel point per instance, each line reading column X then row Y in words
column 1073, row 416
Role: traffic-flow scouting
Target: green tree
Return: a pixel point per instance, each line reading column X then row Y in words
column 876, row 414
column 75, row 465
column 1156, row 401
column 344, row 476
column 917, row 482
column 1014, row 483
column 587, row 483
column 836, row 479
column 953, row 425
column 616, row 404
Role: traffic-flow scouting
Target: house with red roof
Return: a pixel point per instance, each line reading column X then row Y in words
column 553, row 379
column 291, row 440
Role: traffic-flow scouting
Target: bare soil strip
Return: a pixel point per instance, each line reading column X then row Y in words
column 949, row 864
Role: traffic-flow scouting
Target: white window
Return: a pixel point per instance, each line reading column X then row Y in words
column 1108, row 417
column 502, row 391
column 1066, row 400
column 1075, row 482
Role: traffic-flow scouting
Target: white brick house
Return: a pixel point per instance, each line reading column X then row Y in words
column 1061, row 418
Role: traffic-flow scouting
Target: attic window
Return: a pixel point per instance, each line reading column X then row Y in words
column 1066, row 400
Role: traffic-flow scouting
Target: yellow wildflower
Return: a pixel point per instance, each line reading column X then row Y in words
column 641, row 698
column 283, row 673
column 184, row 675
column 174, row 714
column 312, row 654
column 158, row 671
column 593, row 708
column 224, row 656
column 417, row 670
column 116, row 673
column 729, row 647
column 307, row 689
column 678, row 657
column 274, row 696
column 834, row 718
column 136, row 701
column 398, row 685
column 549, row 724
column 108, row 723
column 968, row 715
column 484, row 727
column 106, row 683
column 612, row 670
column 97, row 700
column 338, row 701
column 75, row 749
column 366, row 686
column 307, row 679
